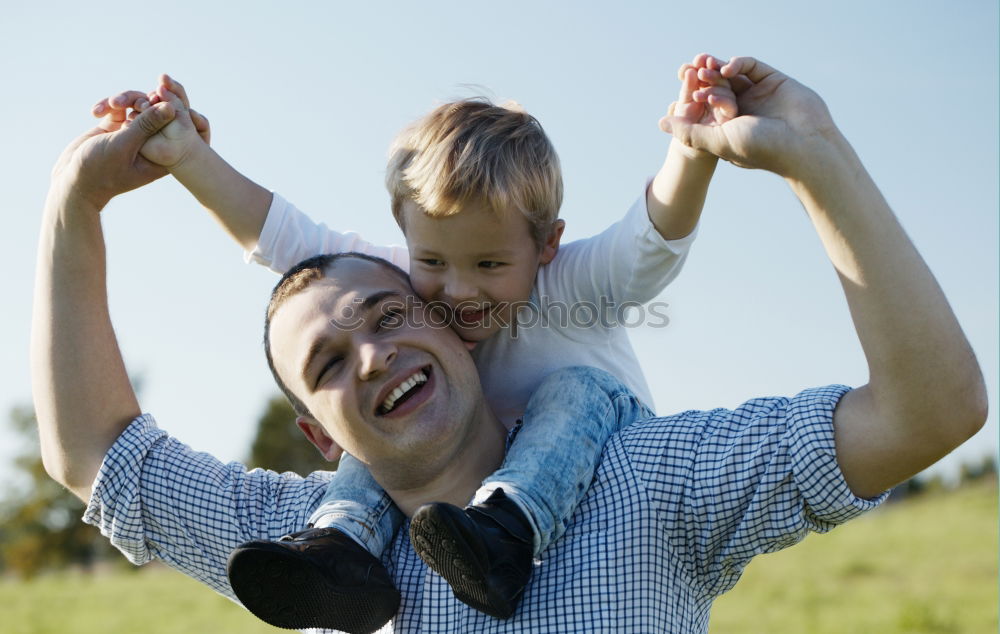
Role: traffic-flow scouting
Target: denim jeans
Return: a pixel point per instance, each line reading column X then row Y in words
column 551, row 463
column 547, row 470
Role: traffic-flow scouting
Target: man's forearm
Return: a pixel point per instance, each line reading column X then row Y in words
column 83, row 398
column 925, row 392
column 237, row 203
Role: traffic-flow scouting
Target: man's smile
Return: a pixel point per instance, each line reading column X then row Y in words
column 405, row 393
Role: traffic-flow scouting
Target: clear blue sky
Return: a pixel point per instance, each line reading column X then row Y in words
column 305, row 98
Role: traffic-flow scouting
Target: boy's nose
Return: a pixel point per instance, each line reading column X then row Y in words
column 458, row 289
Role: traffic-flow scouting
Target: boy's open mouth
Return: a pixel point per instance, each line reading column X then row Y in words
column 471, row 317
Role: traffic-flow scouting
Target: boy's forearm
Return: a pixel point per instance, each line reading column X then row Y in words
column 237, row 203
column 676, row 196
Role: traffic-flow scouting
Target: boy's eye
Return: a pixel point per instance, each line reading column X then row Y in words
column 490, row 264
column 431, row 262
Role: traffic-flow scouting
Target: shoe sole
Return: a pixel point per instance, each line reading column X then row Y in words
column 449, row 551
column 293, row 593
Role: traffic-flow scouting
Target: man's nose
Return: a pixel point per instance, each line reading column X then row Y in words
column 375, row 358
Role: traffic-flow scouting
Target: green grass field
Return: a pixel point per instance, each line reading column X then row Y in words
column 926, row 565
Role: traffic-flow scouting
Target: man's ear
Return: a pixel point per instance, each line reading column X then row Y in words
column 319, row 438
column 551, row 245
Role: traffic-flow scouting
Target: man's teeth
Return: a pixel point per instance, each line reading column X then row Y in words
column 404, row 387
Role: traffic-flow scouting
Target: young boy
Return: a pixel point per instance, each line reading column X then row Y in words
column 476, row 189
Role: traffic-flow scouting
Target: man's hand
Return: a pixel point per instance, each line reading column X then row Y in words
column 106, row 161
column 778, row 125
column 173, row 143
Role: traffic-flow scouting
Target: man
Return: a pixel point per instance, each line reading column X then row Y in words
column 678, row 506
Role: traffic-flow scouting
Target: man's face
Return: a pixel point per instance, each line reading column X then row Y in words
column 387, row 388
column 477, row 263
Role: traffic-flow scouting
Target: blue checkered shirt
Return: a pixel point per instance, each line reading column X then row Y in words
column 678, row 507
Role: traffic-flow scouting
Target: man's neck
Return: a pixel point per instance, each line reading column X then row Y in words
column 480, row 455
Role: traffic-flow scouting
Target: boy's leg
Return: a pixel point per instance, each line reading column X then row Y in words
column 356, row 505
column 551, row 462
column 331, row 575
column 527, row 503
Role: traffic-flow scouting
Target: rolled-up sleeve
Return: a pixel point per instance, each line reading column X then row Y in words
column 156, row 498
column 732, row 484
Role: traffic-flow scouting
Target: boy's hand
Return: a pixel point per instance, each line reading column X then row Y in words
column 780, row 126
column 706, row 97
column 174, row 142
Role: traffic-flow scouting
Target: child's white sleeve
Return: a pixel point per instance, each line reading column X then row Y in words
column 289, row 236
column 628, row 262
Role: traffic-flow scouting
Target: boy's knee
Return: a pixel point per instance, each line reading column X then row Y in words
column 564, row 381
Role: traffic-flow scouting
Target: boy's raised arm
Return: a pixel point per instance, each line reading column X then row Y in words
column 925, row 394
column 676, row 196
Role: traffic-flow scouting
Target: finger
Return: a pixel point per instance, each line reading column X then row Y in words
column 740, row 84
column 683, row 70
column 165, row 94
column 175, row 87
column 715, row 91
column 121, row 101
column 689, row 84
column 112, row 120
column 711, row 76
column 148, row 123
column 724, row 106
column 201, row 125
column 755, row 70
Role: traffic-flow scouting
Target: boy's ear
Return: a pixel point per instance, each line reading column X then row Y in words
column 315, row 433
column 551, row 245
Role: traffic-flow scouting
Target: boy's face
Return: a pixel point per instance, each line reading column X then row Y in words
column 478, row 264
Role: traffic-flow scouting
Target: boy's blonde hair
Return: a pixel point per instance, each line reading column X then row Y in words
column 475, row 152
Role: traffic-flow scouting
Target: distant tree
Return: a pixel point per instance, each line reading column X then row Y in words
column 40, row 523
column 985, row 468
column 280, row 446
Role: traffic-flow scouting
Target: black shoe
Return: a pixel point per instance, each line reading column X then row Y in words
column 484, row 552
column 315, row 578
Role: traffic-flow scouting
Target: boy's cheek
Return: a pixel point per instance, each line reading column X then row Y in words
column 423, row 286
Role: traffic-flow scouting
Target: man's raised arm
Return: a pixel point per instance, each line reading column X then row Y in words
column 925, row 394
column 83, row 398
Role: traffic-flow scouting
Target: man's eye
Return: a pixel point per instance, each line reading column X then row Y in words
column 327, row 367
column 391, row 318
column 490, row 264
